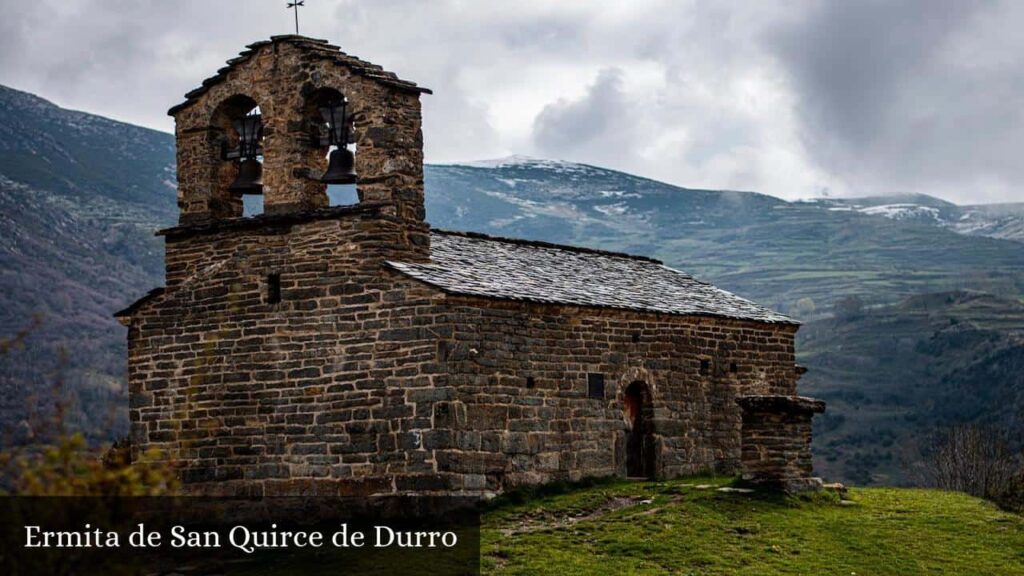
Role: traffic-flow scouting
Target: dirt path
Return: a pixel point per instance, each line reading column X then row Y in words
column 548, row 521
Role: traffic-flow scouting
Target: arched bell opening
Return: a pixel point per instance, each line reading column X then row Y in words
column 332, row 162
column 638, row 410
column 236, row 132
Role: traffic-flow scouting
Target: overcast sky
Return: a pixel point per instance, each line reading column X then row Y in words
column 790, row 98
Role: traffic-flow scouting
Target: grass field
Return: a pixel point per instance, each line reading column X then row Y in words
column 689, row 527
column 685, row 527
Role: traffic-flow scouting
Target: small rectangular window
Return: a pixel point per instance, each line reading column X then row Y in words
column 733, row 367
column 530, row 382
column 595, row 385
column 273, row 288
column 705, row 367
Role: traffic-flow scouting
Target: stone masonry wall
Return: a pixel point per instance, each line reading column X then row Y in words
column 362, row 380
column 777, row 440
column 328, row 391
column 283, row 77
column 505, row 433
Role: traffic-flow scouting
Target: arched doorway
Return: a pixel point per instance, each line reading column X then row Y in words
column 640, row 431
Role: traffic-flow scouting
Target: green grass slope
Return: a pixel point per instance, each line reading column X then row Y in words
column 677, row 528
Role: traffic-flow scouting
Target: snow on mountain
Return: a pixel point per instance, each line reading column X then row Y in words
column 902, row 211
column 520, row 160
column 996, row 221
column 1005, row 221
column 536, row 187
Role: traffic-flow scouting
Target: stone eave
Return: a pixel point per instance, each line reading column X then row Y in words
column 315, row 48
column 774, row 403
column 269, row 220
column 127, row 313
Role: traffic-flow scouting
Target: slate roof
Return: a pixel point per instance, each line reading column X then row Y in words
column 480, row 265
column 131, row 309
column 314, row 47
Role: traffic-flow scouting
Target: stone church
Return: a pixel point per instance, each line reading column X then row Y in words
column 353, row 350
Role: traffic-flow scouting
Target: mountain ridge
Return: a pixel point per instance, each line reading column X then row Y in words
column 77, row 244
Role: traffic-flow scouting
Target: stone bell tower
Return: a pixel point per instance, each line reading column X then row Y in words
column 259, row 342
column 269, row 105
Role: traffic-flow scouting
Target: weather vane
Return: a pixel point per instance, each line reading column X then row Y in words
column 296, row 5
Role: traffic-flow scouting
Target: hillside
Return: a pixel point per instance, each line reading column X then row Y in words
column 80, row 197
column 798, row 257
column 689, row 527
column 701, row 526
column 893, row 374
column 992, row 220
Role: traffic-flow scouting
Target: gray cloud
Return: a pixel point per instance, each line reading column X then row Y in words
column 906, row 95
column 859, row 97
column 592, row 123
column 848, row 59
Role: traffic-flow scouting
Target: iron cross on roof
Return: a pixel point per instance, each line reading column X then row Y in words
column 296, row 5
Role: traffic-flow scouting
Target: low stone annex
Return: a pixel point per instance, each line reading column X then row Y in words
column 353, row 350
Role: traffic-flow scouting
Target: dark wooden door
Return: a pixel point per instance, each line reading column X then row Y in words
column 639, row 437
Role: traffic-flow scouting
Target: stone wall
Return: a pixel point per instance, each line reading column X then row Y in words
column 777, row 441
column 326, row 391
column 520, row 374
column 362, row 380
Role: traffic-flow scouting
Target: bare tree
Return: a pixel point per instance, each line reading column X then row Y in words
column 977, row 461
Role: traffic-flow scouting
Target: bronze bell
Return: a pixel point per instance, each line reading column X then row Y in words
column 341, row 169
column 250, row 178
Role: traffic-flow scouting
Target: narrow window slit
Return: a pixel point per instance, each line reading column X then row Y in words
column 273, row 288
column 595, row 385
